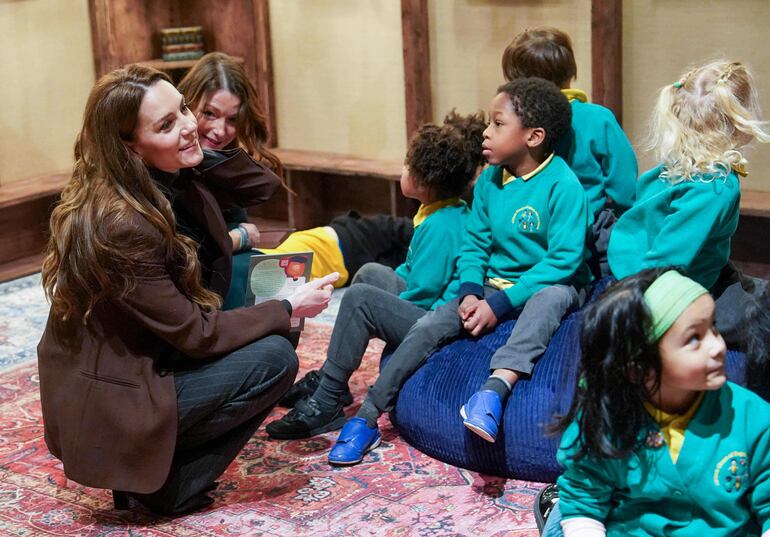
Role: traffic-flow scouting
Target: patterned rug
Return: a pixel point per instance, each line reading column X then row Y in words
column 273, row 488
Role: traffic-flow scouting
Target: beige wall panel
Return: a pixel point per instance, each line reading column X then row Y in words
column 662, row 38
column 467, row 39
column 47, row 65
column 339, row 80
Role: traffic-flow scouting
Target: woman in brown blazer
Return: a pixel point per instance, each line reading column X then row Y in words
column 148, row 388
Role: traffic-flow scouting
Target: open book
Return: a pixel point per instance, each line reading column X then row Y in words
column 276, row 276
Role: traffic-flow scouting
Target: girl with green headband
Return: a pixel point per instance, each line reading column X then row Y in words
column 657, row 442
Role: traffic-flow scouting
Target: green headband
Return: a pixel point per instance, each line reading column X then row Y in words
column 667, row 297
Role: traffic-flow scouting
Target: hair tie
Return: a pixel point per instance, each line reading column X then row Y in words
column 666, row 298
column 678, row 84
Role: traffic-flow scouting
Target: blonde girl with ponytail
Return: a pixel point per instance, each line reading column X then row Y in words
column 687, row 207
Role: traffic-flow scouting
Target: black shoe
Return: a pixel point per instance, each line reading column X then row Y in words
column 307, row 387
column 306, row 420
column 194, row 503
column 544, row 502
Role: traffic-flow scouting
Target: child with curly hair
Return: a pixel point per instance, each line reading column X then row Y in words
column 440, row 164
column 523, row 255
column 596, row 148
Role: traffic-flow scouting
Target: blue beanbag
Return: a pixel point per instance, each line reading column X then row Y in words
column 427, row 412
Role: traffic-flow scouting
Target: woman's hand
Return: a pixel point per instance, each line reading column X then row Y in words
column 252, row 232
column 311, row 298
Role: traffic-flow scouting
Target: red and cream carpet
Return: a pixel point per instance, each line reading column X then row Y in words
column 274, row 488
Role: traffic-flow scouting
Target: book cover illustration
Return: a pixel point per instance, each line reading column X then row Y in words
column 276, row 276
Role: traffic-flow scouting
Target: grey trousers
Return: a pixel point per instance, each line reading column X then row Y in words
column 380, row 276
column 220, row 405
column 365, row 312
column 599, row 240
column 536, row 324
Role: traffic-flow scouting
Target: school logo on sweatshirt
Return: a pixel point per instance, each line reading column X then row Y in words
column 732, row 472
column 526, row 219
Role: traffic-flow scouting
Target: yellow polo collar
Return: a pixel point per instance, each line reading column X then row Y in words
column 508, row 177
column 575, row 94
column 426, row 210
column 673, row 426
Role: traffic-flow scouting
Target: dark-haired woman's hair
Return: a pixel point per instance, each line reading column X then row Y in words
column 218, row 71
column 617, row 363
column 539, row 103
column 756, row 342
column 89, row 259
column 446, row 158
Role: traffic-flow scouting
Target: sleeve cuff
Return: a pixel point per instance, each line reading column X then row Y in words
column 500, row 304
column 286, row 304
column 469, row 288
column 582, row 527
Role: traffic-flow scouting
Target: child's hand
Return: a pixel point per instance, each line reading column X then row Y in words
column 480, row 318
column 463, row 309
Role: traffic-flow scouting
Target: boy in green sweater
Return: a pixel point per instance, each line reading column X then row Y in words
column 440, row 164
column 523, row 255
column 596, row 148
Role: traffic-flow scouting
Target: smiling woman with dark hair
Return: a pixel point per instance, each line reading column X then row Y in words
column 146, row 386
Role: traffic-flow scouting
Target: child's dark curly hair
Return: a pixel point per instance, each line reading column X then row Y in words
column 539, row 104
column 446, row 158
column 616, row 362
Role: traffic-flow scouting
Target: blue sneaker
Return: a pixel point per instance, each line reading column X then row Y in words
column 355, row 440
column 482, row 413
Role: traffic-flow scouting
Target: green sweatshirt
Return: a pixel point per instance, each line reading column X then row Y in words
column 718, row 487
column 430, row 268
column 529, row 232
column 599, row 153
column 688, row 225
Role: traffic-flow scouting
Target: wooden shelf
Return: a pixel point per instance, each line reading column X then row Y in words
column 163, row 65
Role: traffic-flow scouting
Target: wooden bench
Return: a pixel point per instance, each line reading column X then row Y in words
column 326, row 184
column 749, row 245
column 329, row 184
column 25, row 206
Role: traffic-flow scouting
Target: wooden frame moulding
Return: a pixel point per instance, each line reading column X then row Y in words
column 414, row 31
column 607, row 54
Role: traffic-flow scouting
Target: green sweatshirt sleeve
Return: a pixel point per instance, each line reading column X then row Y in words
column 568, row 225
column 477, row 244
column 694, row 215
column 586, row 486
column 619, row 166
column 760, row 472
column 433, row 258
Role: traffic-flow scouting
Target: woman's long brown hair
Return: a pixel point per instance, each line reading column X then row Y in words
column 90, row 257
column 218, row 71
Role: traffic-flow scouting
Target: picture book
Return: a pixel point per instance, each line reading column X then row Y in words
column 276, row 276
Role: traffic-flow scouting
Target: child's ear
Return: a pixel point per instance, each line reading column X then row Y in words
column 536, row 136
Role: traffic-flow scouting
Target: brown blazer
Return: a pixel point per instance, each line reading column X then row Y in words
column 110, row 414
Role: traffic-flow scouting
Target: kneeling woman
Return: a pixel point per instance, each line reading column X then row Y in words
column 148, row 388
